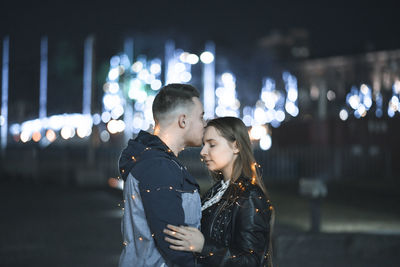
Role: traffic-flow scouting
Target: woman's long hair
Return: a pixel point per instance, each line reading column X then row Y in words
column 233, row 129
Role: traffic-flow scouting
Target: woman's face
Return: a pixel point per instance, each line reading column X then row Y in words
column 218, row 153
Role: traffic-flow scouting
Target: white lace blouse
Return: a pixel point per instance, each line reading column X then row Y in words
column 217, row 196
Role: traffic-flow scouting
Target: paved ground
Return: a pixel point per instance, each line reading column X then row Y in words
column 360, row 226
column 55, row 226
column 50, row 225
column 354, row 206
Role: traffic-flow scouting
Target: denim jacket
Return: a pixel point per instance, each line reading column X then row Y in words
column 158, row 190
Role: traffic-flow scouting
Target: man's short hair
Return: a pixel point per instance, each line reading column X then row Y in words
column 172, row 96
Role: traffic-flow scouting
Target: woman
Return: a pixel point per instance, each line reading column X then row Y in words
column 237, row 215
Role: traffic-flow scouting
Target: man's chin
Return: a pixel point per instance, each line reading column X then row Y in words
column 194, row 144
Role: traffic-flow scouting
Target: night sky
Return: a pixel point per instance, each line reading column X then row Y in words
column 235, row 26
column 334, row 29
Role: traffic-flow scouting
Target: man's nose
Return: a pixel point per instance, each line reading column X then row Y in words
column 203, row 152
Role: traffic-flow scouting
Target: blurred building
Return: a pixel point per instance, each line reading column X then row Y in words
column 345, row 122
column 338, row 137
column 283, row 46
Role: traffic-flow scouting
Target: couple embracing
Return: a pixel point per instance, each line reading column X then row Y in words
column 165, row 223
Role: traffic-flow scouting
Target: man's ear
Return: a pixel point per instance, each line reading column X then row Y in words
column 235, row 148
column 182, row 120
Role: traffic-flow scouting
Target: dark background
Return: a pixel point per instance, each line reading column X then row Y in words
column 335, row 27
column 56, row 206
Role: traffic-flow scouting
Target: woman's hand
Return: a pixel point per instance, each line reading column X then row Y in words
column 185, row 238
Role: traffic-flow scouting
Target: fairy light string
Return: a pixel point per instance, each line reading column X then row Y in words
column 134, row 197
column 254, row 167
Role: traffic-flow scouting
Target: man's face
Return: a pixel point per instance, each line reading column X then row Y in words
column 195, row 124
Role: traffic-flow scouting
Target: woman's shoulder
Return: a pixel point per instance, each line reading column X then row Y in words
column 248, row 188
column 250, row 195
column 247, row 185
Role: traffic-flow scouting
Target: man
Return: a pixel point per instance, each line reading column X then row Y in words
column 158, row 190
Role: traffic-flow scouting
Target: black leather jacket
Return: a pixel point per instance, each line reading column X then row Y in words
column 237, row 228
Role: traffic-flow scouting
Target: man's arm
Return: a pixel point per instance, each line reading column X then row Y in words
column 159, row 183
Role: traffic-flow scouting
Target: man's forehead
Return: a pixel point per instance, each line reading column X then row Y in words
column 198, row 104
column 197, row 100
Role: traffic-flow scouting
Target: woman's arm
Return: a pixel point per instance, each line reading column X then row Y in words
column 250, row 239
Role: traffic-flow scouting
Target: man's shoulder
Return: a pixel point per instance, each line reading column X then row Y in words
column 157, row 168
column 157, row 160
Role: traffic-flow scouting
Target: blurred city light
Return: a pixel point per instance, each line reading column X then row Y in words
column 51, row 135
column 354, row 101
column 314, row 92
column 110, row 101
column 25, row 136
column 330, row 95
column 137, row 66
column 247, row 120
column 259, row 115
column 96, row 119
column 43, row 77
column 115, row 126
column 207, row 57
column 343, row 114
column 265, row 142
column 143, row 75
column 292, row 95
column 396, row 87
column 143, row 84
column 36, row 136
column 131, row 89
column 83, row 131
column 179, row 67
column 106, row 116
column 156, row 85
column 113, row 74
column 394, row 103
column 114, row 61
column 185, row 76
column 67, row 132
column 125, row 62
column 257, row 132
column 155, row 67
column 116, row 183
column 280, row 115
column 113, row 87
column 117, row 112
column 4, row 92
column 67, row 123
column 227, row 103
column 192, row 59
column 209, row 82
column 184, row 56
column 360, row 100
column 104, row 136
column 15, row 129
